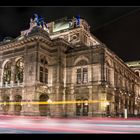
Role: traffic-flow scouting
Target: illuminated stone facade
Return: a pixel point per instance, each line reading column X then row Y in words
column 63, row 61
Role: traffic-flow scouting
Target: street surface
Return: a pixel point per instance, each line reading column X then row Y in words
column 44, row 125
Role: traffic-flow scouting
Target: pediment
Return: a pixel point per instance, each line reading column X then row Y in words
column 39, row 31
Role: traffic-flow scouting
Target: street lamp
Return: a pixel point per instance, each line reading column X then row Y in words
column 28, row 103
column 108, row 109
column 4, row 103
column 49, row 101
column 107, row 103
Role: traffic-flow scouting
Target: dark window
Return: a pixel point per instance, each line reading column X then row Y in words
column 137, row 73
column 78, row 108
column 85, row 108
column 82, row 108
column 42, row 60
column 46, row 75
column 41, row 74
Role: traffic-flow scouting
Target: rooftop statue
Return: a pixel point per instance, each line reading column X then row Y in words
column 35, row 21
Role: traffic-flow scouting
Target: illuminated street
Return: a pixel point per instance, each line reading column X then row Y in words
column 42, row 125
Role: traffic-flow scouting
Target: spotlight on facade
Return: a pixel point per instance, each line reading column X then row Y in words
column 86, row 103
column 107, row 103
column 49, row 101
column 28, row 103
column 106, row 86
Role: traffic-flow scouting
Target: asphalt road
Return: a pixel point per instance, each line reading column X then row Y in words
column 23, row 125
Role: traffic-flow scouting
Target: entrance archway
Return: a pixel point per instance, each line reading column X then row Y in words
column 18, row 107
column 78, row 108
column 82, row 108
column 44, row 108
column 6, row 105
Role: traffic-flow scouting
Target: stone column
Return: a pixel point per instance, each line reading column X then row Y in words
column 57, row 113
column 57, row 109
column 90, row 105
column 64, row 99
column 102, row 105
column 24, row 107
column 72, row 106
column 33, row 109
column 30, row 95
column 11, row 109
column 119, row 106
column 0, row 102
column 12, row 74
column 0, row 77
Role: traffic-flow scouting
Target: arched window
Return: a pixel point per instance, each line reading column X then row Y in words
column 78, row 108
column 85, row 108
column 44, row 108
column 43, row 70
column 82, row 72
column 82, row 108
column 19, row 69
column 137, row 73
column 82, row 75
column 7, row 73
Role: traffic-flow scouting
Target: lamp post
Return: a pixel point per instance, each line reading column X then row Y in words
column 49, row 101
column 125, row 110
column 108, row 108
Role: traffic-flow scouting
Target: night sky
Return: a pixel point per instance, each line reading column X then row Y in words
column 117, row 27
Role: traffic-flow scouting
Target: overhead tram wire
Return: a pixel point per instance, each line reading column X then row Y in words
column 116, row 19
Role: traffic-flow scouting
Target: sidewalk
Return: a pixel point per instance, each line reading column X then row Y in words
column 68, row 118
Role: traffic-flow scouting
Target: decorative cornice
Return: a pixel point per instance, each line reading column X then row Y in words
column 29, row 39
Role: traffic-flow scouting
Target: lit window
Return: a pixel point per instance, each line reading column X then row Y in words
column 19, row 68
column 85, row 108
column 43, row 70
column 82, row 75
column 7, row 73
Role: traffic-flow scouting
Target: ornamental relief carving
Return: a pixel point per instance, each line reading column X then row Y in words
column 116, row 67
column 84, row 60
column 1, row 64
column 81, row 63
column 31, row 70
column 31, row 57
column 81, row 97
column 109, row 62
column 42, row 89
